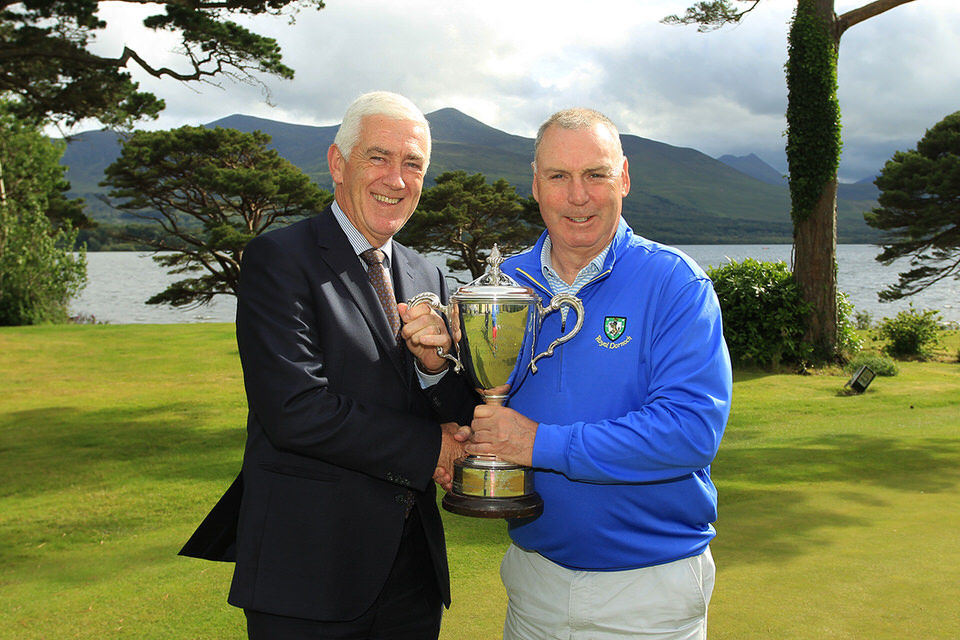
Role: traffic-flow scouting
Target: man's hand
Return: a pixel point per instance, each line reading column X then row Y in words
column 504, row 433
column 451, row 450
column 423, row 330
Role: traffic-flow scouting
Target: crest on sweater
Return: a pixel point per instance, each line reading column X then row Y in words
column 614, row 326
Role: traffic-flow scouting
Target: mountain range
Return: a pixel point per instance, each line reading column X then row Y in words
column 677, row 195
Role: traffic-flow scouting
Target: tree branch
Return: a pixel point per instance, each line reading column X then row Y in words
column 198, row 73
column 867, row 11
column 711, row 15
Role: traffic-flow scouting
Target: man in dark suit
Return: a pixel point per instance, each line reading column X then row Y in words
column 338, row 533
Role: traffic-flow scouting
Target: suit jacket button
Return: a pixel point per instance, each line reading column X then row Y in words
column 401, row 499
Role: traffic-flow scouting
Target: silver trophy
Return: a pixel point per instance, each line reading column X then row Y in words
column 494, row 323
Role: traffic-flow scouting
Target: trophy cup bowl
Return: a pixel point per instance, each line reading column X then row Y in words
column 494, row 323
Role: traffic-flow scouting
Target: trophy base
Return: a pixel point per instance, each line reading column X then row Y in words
column 524, row 507
column 485, row 487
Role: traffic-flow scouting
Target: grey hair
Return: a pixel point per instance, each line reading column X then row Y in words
column 378, row 103
column 573, row 119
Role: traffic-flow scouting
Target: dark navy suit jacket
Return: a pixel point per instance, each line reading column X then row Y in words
column 338, row 429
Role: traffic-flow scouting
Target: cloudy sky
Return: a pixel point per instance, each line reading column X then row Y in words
column 510, row 63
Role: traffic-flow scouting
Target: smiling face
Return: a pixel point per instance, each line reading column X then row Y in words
column 580, row 179
column 379, row 185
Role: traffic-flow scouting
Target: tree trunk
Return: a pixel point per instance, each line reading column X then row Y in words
column 815, row 237
column 815, row 233
column 815, row 268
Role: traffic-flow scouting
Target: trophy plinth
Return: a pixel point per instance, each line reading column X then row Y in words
column 491, row 488
column 494, row 322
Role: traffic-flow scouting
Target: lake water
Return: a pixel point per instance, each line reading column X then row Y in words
column 120, row 283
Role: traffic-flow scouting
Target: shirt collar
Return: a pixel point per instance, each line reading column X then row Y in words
column 357, row 239
column 592, row 269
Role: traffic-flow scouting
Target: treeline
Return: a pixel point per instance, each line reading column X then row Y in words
column 678, row 228
column 673, row 229
column 121, row 237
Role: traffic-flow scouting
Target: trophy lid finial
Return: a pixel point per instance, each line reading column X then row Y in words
column 494, row 277
column 494, row 280
column 495, row 260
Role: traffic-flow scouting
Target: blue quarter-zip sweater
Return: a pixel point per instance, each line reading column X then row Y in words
column 631, row 412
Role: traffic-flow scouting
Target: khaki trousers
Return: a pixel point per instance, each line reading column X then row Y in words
column 550, row 602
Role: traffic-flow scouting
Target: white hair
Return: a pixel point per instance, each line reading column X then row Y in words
column 377, row 103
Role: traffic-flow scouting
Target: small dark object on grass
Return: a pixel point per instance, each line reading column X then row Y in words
column 861, row 379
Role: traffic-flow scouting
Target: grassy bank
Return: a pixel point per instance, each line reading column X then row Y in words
column 839, row 514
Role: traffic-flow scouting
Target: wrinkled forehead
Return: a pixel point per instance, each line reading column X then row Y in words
column 409, row 139
column 584, row 148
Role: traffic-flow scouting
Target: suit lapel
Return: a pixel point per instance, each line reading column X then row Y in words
column 404, row 280
column 411, row 278
column 406, row 285
column 336, row 251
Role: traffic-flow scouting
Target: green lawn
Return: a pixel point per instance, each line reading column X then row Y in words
column 839, row 514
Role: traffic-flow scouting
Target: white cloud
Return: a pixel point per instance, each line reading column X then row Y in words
column 510, row 64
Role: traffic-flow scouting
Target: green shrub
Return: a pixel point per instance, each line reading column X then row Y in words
column 863, row 320
column 880, row 365
column 911, row 333
column 764, row 315
column 39, row 274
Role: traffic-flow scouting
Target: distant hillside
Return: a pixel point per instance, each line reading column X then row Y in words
column 678, row 195
column 852, row 199
column 754, row 167
column 864, row 190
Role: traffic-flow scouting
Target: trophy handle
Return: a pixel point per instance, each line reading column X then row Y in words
column 558, row 301
column 433, row 301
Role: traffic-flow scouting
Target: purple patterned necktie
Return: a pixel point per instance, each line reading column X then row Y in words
column 378, row 277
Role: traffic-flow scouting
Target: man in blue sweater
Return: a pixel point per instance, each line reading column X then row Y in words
column 621, row 424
